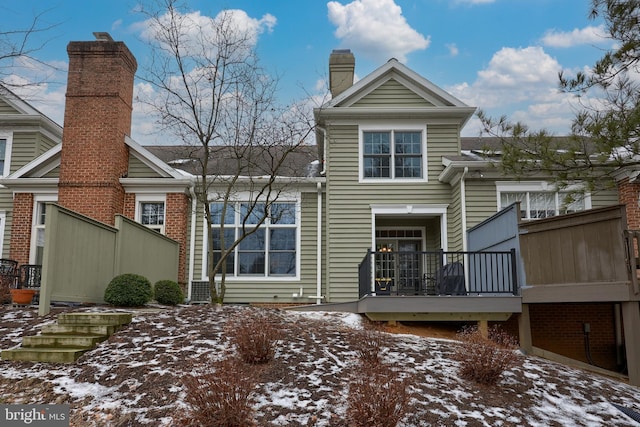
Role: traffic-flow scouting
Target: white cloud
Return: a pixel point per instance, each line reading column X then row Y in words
column 376, row 29
column 453, row 49
column 473, row 2
column 196, row 26
column 523, row 84
column 587, row 35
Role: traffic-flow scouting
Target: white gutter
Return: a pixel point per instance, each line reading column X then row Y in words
column 192, row 242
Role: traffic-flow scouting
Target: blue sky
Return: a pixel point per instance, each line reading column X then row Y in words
column 501, row 56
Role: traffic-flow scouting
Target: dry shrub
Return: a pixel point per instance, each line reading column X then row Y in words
column 369, row 343
column 378, row 396
column 255, row 335
column 483, row 360
column 221, row 397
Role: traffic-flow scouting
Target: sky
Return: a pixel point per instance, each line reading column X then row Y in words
column 501, row 56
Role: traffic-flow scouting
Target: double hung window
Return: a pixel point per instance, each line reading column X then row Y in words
column 5, row 153
column 537, row 201
column 393, row 154
column 268, row 245
column 152, row 215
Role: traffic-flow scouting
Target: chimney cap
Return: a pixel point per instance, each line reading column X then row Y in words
column 341, row 51
column 103, row 36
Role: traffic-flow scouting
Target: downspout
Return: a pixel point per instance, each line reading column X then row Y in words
column 192, row 242
column 463, row 208
column 463, row 213
column 318, row 294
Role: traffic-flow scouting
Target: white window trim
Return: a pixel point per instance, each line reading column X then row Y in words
column 424, row 210
column 151, row 198
column 7, row 154
column 422, row 238
column 398, row 126
column 536, row 186
column 37, row 199
column 243, row 197
column 3, row 224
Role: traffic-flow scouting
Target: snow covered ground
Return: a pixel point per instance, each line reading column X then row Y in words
column 134, row 378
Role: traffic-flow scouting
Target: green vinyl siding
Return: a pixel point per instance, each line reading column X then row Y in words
column 454, row 218
column 24, row 149
column 45, row 144
column 137, row 169
column 604, row 198
column 5, row 108
column 272, row 290
column 54, row 173
column 349, row 231
column 481, row 201
column 392, row 93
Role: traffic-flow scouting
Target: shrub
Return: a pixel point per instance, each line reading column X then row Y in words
column 221, row 397
column 370, row 342
column 168, row 292
column 128, row 290
column 255, row 335
column 483, row 360
column 378, row 396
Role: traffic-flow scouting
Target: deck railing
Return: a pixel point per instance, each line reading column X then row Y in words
column 438, row 273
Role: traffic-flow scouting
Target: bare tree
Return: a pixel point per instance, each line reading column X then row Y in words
column 211, row 93
column 19, row 46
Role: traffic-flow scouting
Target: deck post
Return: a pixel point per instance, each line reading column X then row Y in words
column 631, row 322
column 524, row 330
column 483, row 327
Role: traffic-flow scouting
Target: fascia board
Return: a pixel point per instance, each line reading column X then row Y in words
column 44, row 158
column 461, row 114
column 166, row 185
column 454, row 168
column 38, row 123
column 31, row 185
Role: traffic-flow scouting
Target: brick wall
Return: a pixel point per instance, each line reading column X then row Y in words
column 97, row 118
column 628, row 194
column 175, row 226
column 559, row 328
column 21, row 227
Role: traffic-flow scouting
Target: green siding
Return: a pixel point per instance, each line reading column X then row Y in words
column 392, row 93
column 24, row 149
column 137, row 169
column 272, row 290
column 604, row 198
column 349, row 202
column 481, row 201
column 454, row 218
column 6, row 108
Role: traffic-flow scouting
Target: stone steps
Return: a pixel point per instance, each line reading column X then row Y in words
column 66, row 341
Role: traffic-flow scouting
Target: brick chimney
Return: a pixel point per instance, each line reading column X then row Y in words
column 97, row 118
column 342, row 64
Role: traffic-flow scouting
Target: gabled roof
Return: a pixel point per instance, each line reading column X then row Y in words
column 26, row 115
column 437, row 102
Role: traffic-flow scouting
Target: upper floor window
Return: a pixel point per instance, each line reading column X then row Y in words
column 269, row 251
column 393, row 154
column 5, row 152
column 538, row 200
